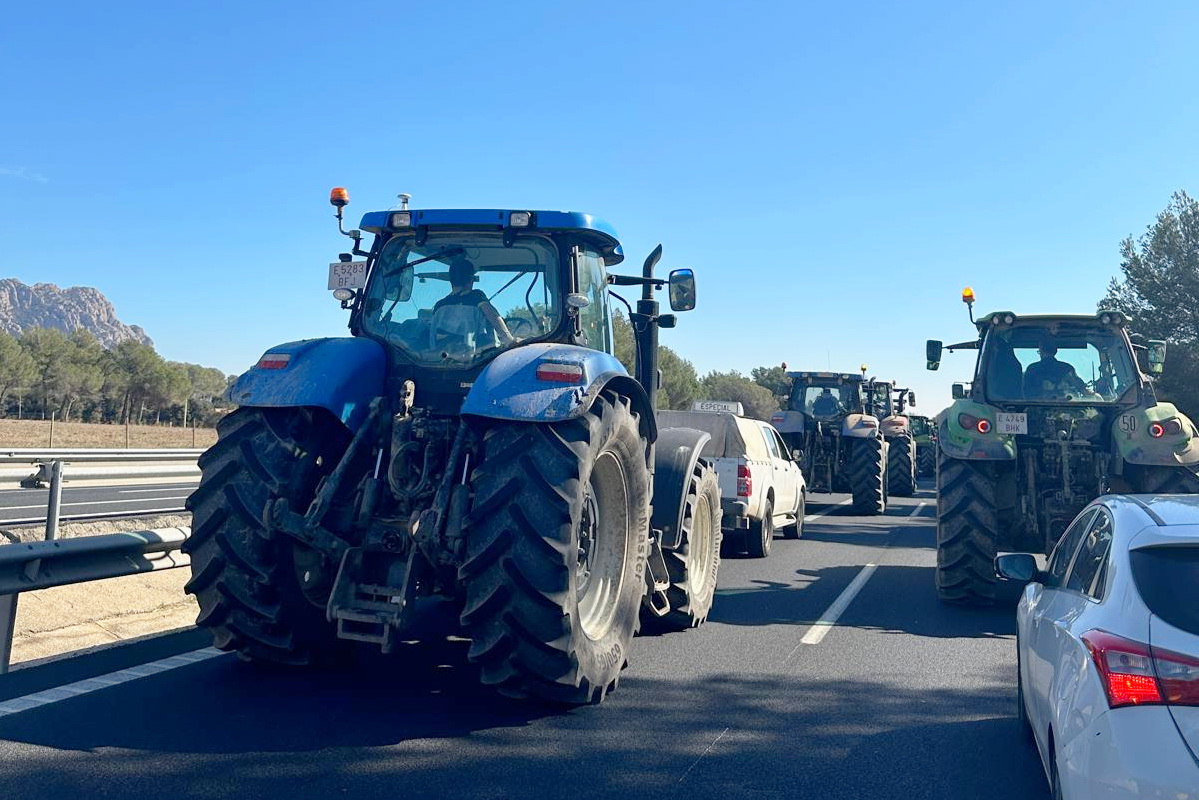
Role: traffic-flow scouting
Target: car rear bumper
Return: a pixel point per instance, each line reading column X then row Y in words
column 1129, row 753
column 735, row 515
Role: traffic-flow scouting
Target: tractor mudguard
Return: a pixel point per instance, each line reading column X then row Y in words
column 1136, row 445
column 788, row 421
column 340, row 374
column 968, row 443
column 859, row 426
column 509, row 387
column 895, row 426
column 674, row 461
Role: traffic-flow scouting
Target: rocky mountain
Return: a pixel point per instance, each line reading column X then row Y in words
column 45, row 305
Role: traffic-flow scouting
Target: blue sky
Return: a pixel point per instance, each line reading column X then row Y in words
column 834, row 173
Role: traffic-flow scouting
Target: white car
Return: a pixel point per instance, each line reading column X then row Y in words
column 1108, row 650
column 762, row 488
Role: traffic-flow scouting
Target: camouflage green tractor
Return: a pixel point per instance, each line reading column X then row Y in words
column 889, row 403
column 1059, row 412
column 924, row 432
column 828, row 419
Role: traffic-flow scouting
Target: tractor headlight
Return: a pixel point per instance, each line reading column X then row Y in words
column 520, row 219
column 400, row 219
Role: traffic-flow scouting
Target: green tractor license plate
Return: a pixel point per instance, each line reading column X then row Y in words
column 1011, row 423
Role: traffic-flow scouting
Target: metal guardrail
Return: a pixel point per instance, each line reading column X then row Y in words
column 35, row 456
column 51, row 471
column 41, row 565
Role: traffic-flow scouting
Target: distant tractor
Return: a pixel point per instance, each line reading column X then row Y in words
column 473, row 440
column 888, row 404
column 1059, row 412
column 924, row 432
column 841, row 448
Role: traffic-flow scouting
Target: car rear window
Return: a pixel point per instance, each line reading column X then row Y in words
column 1168, row 580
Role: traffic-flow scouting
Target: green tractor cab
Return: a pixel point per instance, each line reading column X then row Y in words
column 1059, row 412
column 829, row 421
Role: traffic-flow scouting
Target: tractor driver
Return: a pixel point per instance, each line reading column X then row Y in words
column 1049, row 376
column 825, row 404
column 465, row 315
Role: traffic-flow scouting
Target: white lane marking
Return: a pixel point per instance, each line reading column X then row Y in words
column 916, row 510
column 98, row 503
column 707, row 750
column 828, row 510
column 148, row 491
column 70, row 690
column 829, row 618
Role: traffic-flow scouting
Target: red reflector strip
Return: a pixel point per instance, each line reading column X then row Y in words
column 274, row 361
column 560, row 373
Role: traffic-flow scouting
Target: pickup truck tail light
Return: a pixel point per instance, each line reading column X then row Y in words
column 1136, row 674
column 745, row 481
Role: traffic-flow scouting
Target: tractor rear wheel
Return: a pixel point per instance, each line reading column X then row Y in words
column 693, row 566
column 260, row 592
column 867, row 476
column 556, row 544
column 1167, row 480
column 901, row 467
column 926, row 461
column 967, row 532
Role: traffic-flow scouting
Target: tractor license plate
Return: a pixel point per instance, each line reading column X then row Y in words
column 1011, row 423
column 347, row 275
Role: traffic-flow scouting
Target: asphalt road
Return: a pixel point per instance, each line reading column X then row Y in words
column 900, row 698
column 20, row 506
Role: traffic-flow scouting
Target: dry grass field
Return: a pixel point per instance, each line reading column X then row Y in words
column 37, row 433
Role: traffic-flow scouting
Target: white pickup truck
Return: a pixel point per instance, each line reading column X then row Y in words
column 761, row 487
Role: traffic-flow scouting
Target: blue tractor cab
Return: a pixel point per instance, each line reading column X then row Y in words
column 474, row 438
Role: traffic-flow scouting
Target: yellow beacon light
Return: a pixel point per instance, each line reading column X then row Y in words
column 339, row 197
column 968, row 296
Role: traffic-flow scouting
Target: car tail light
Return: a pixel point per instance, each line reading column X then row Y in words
column 1178, row 676
column 745, row 481
column 1157, row 430
column 1125, row 667
column 1136, row 674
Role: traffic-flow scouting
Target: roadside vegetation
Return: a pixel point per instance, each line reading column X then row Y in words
column 47, row 374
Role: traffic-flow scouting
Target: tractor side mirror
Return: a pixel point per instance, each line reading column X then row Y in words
column 932, row 353
column 682, row 290
column 958, row 391
column 911, row 398
column 1157, row 356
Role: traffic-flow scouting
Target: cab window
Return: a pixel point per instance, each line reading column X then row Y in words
column 593, row 284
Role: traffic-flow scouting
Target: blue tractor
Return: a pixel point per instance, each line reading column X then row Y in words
column 473, row 440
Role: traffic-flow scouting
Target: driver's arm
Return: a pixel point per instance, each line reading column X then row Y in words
column 497, row 322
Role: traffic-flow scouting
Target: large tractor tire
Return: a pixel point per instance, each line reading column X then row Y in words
column 556, row 544
column 901, row 467
column 1167, row 480
column 261, row 593
column 967, row 532
column 926, row 461
column 694, row 565
column 868, row 476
